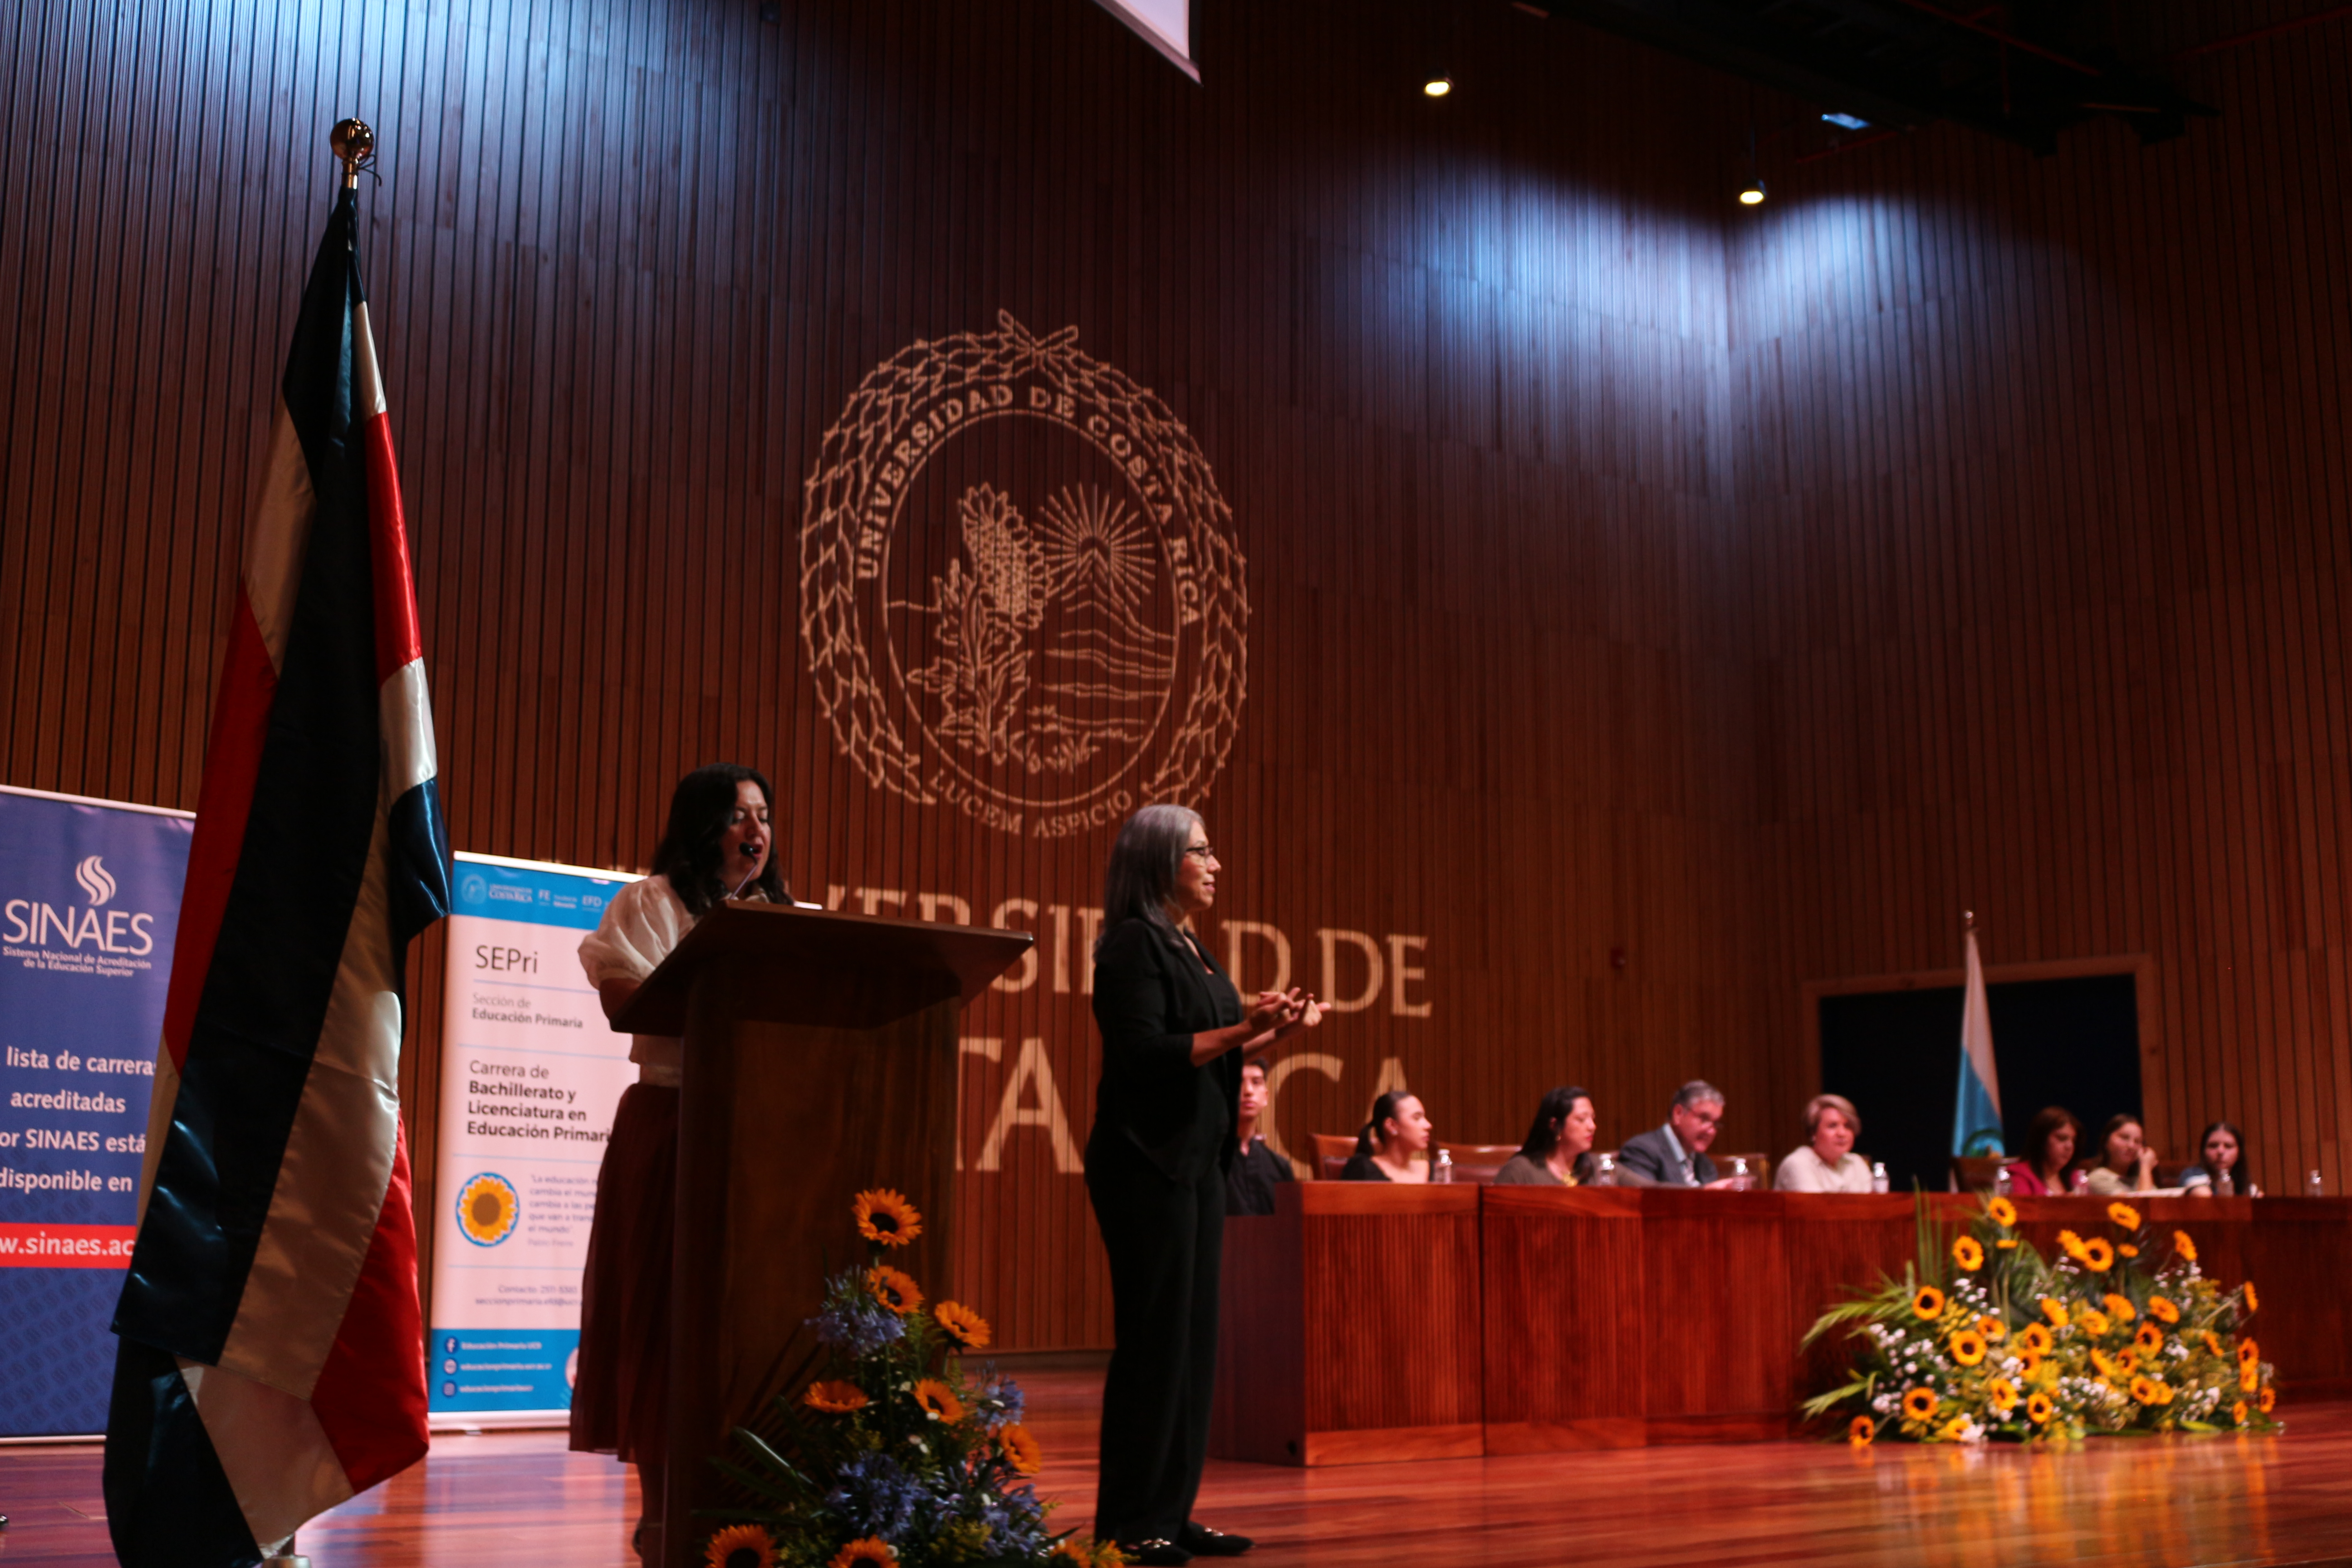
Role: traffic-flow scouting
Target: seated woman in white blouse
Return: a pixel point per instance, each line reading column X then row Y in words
column 1826, row 1162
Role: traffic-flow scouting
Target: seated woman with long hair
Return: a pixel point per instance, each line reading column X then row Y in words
column 2125, row 1164
column 2220, row 1169
column 2049, row 1140
column 1385, row 1148
column 1558, row 1151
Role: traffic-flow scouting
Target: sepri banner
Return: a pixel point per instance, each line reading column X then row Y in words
column 530, row 1073
column 89, row 900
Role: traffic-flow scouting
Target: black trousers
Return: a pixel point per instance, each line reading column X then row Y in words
column 1164, row 1239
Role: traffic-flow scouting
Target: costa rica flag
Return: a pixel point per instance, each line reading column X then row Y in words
column 271, row 1354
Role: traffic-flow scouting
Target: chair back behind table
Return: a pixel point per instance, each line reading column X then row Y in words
column 1976, row 1172
column 1473, row 1163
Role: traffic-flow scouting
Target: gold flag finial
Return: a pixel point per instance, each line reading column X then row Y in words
column 354, row 143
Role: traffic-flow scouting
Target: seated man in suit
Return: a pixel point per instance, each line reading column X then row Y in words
column 1675, row 1155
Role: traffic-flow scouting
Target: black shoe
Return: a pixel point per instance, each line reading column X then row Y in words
column 1156, row 1552
column 1201, row 1542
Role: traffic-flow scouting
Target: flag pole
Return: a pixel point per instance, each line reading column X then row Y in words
column 353, row 146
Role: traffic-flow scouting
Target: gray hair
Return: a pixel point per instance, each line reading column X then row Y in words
column 1698, row 1092
column 1139, row 882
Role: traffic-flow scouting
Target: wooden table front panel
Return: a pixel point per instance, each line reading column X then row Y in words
column 1350, row 1327
column 1566, row 1309
column 1391, row 1287
column 1715, row 1274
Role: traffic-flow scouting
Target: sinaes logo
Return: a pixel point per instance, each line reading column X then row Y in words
column 95, row 881
column 32, row 927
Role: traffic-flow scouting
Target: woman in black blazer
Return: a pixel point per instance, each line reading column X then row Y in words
column 1174, row 1036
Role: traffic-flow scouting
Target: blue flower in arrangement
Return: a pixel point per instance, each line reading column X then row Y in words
column 892, row 1454
column 854, row 1322
column 875, row 1496
column 1001, row 1401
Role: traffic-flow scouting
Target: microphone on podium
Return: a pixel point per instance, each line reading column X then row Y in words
column 745, row 851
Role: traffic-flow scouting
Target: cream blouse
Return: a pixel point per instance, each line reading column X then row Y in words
column 643, row 922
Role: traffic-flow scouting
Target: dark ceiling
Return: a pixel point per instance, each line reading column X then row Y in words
column 2022, row 71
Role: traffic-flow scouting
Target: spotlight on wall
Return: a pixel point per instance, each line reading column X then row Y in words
column 1751, row 195
column 1846, row 121
column 1438, row 86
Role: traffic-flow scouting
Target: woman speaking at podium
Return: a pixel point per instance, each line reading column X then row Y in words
column 1174, row 1036
column 716, row 846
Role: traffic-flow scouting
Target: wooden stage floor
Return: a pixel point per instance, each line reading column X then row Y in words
column 520, row 1498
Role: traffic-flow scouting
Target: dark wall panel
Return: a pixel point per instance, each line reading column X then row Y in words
column 2043, row 478
column 1460, row 371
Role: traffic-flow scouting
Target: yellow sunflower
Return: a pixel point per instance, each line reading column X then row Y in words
column 2248, row 1353
column 2055, row 1310
column 2098, row 1256
column 1992, row 1329
column 2029, row 1360
column 893, row 1290
column 2146, row 1391
column 2003, row 1212
column 1954, row 1429
column 2125, row 1216
column 2149, row 1340
column 2252, row 1304
column 873, row 1549
column 2071, row 1244
column 2105, row 1365
column 2040, row 1409
column 1862, row 1430
column 2126, row 1249
column 2183, row 1246
column 740, row 1546
column 2092, row 1321
column 2035, row 1338
column 1022, row 1451
column 1968, row 1347
column 2004, row 1395
column 834, row 1398
column 1967, row 1253
column 2238, row 1414
column 2007, row 1244
column 2162, row 1309
column 2269, row 1398
column 2119, row 1308
column 1928, row 1302
column 938, row 1398
column 963, row 1325
column 2126, row 1362
column 2249, row 1377
column 1919, row 1403
column 2212, row 1345
column 887, row 1217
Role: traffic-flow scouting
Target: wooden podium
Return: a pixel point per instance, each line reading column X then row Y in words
column 821, row 1058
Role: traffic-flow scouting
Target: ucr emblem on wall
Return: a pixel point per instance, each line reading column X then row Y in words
column 1019, row 586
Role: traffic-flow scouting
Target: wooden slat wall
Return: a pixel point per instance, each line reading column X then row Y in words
column 1581, row 513
column 2043, row 483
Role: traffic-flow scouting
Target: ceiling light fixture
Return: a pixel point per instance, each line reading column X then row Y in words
column 1846, row 121
column 1751, row 195
column 1438, row 86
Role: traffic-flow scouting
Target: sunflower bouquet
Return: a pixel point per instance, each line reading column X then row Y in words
column 1983, row 1338
column 895, row 1454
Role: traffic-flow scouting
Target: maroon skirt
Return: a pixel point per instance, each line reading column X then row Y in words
column 620, row 1399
